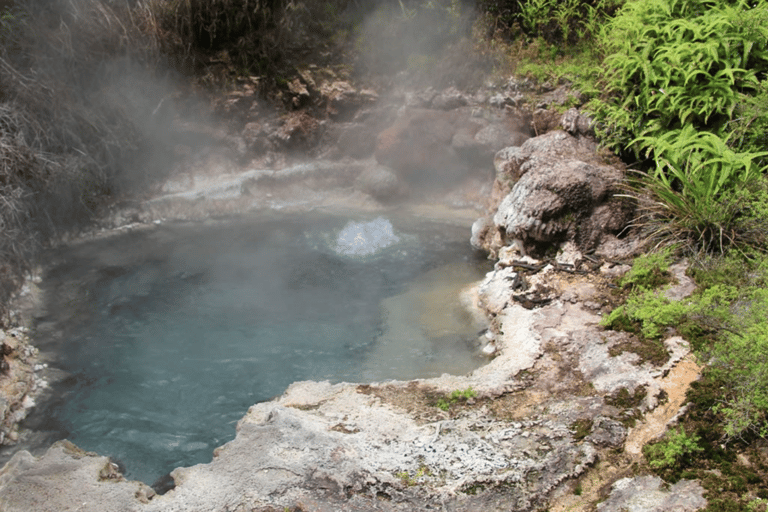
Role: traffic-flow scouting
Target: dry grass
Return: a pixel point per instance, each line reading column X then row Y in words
column 69, row 135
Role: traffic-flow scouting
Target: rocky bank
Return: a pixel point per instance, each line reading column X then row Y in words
column 560, row 397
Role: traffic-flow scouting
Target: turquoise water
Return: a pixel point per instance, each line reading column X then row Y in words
column 164, row 338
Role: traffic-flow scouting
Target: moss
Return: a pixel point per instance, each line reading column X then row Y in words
column 649, row 271
column 629, row 403
column 457, row 396
column 581, row 428
column 649, row 350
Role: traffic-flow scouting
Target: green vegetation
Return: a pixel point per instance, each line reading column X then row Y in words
column 675, row 449
column 581, row 428
column 726, row 322
column 646, row 309
column 683, row 78
column 649, row 271
column 456, row 396
column 680, row 63
column 409, row 480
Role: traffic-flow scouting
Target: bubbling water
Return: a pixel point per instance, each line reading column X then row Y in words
column 365, row 238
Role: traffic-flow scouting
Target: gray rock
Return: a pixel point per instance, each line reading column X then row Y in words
column 342, row 100
column 479, row 229
column 449, row 100
column 607, row 432
column 380, row 182
column 356, row 140
column 559, row 96
column 497, row 136
column 66, row 478
column 496, row 290
column 478, row 140
column 576, row 122
column 558, row 190
column 502, row 100
column 647, row 494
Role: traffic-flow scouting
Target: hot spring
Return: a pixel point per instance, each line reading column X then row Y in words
column 159, row 340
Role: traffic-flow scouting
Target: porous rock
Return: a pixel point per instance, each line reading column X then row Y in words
column 18, row 382
column 558, row 190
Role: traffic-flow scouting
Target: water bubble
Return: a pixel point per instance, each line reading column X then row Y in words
column 365, row 238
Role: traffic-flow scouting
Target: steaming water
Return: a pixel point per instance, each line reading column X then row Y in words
column 164, row 338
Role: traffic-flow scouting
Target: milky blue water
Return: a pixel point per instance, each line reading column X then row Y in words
column 160, row 340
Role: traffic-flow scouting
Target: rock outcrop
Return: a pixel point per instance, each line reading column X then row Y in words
column 553, row 188
column 650, row 494
column 18, row 382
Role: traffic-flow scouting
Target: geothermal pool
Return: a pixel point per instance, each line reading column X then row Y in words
column 159, row 340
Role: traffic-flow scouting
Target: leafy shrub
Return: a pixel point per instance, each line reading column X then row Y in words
column 684, row 86
column 553, row 21
column 676, row 448
column 702, row 193
column 678, row 62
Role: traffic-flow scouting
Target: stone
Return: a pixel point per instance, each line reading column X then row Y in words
column 648, row 494
column 299, row 92
column 342, row 100
column 495, row 290
column 559, row 190
column 577, row 123
column 503, row 100
column 256, row 137
column 559, row 96
column 545, row 120
column 496, row 137
column 420, row 99
column 479, row 230
column 607, row 432
column 357, row 140
column 478, row 140
column 299, row 130
column 449, row 99
column 65, row 478
column 380, row 182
